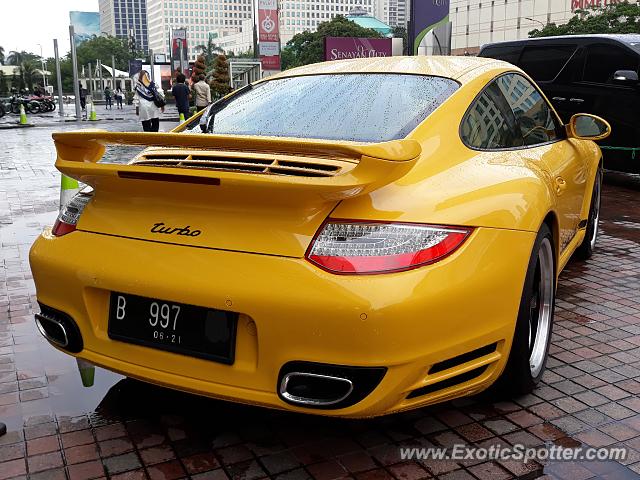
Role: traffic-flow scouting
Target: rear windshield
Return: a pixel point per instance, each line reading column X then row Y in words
column 356, row 107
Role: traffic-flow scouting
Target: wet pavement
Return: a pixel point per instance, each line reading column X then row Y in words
column 121, row 428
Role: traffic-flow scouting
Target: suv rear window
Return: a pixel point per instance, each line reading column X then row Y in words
column 357, row 107
column 543, row 63
column 506, row 53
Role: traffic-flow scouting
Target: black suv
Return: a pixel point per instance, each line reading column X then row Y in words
column 595, row 74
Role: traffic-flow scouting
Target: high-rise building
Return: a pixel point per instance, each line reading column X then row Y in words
column 476, row 23
column 396, row 13
column 198, row 17
column 299, row 15
column 121, row 18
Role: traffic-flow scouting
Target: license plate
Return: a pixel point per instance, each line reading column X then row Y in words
column 176, row 327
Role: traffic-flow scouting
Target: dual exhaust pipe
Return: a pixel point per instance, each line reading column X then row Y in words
column 59, row 329
column 314, row 390
column 52, row 330
column 326, row 386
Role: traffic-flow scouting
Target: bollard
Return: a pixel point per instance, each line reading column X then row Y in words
column 87, row 372
column 23, row 115
column 92, row 113
column 181, row 117
column 68, row 188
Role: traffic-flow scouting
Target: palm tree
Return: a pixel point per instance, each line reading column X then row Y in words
column 1, row 55
column 210, row 51
column 27, row 71
column 15, row 58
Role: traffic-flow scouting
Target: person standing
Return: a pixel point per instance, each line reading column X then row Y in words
column 119, row 96
column 145, row 97
column 181, row 93
column 202, row 93
column 83, row 96
column 107, row 98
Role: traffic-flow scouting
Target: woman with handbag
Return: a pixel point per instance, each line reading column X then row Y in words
column 149, row 102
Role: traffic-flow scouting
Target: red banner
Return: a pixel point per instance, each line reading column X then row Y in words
column 583, row 4
column 269, row 34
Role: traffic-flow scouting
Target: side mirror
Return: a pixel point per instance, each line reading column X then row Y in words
column 625, row 77
column 588, row 127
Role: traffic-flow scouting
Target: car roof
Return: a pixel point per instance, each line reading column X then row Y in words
column 630, row 39
column 459, row 68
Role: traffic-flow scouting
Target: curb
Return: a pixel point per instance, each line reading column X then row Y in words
column 17, row 125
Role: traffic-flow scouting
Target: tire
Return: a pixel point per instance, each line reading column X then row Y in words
column 1, row 110
column 15, row 108
column 585, row 250
column 33, row 107
column 527, row 359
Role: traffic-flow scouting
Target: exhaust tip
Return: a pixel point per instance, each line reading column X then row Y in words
column 311, row 389
column 59, row 329
column 326, row 386
column 52, row 330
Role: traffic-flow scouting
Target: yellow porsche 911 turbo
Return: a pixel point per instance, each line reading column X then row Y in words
column 350, row 238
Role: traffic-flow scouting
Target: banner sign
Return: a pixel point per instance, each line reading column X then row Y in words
column 179, row 45
column 339, row 48
column 269, row 34
column 134, row 67
column 425, row 16
column 584, row 4
column 86, row 25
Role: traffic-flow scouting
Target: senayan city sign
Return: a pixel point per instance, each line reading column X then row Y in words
column 425, row 16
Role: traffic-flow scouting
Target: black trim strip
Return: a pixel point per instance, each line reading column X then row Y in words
column 449, row 382
column 464, row 358
column 169, row 177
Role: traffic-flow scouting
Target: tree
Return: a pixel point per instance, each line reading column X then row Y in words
column 1, row 55
column 220, row 84
column 210, row 50
column 16, row 58
column 612, row 18
column 102, row 48
column 27, row 71
column 199, row 68
column 308, row 47
column 401, row 32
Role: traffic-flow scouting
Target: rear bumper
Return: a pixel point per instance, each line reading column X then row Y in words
column 293, row 311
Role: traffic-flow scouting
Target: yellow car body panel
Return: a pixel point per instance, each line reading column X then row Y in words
column 257, row 228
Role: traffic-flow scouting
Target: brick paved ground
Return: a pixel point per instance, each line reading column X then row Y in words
column 124, row 429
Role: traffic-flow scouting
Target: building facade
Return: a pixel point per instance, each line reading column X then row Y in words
column 199, row 17
column 296, row 16
column 477, row 22
column 120, row 18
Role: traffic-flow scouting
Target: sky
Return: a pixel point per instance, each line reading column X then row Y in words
column 25, row 24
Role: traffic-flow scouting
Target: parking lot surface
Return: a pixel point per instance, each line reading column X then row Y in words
column 119, row 428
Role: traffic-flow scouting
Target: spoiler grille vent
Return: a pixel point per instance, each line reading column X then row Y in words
column 269, row 165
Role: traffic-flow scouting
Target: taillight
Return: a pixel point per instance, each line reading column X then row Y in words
column 361, row 247
column 70, row 213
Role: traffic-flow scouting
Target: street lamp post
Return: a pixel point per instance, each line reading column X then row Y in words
column 44, row 76
column 535, row 20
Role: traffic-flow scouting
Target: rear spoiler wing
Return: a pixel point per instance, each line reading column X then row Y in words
column 78, row 154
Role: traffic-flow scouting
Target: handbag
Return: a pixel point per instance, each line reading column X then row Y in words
column 157, row 99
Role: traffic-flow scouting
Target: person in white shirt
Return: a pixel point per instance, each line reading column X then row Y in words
column 145, row 95
column 202, row 93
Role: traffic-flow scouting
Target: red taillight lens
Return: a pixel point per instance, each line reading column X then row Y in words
column 70, row 214
column 360, row 247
